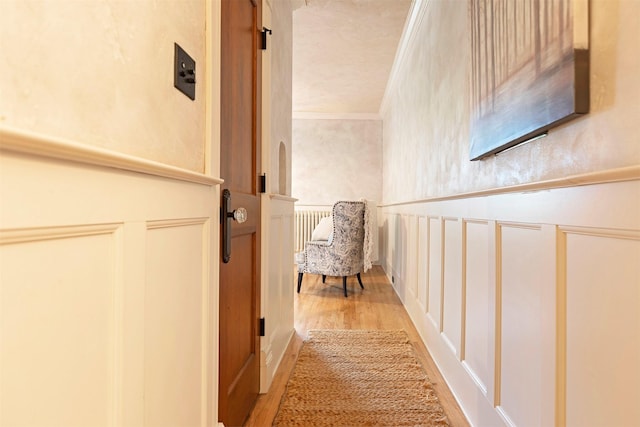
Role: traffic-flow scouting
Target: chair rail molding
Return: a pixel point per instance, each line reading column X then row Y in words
column 21, row 141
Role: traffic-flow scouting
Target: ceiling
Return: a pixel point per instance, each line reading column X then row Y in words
column 343, row 51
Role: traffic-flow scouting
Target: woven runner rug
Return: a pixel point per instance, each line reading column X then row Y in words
column 359, row 378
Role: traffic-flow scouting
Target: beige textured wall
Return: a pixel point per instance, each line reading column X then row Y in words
column 426, row 113
column 281, row 45
column 336, row 160
column 100, row 73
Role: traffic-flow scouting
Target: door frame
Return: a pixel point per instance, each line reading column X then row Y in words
column 212, row 81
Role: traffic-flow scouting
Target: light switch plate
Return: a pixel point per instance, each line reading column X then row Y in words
column 184, row 72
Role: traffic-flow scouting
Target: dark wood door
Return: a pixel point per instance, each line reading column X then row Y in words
column 239, row 167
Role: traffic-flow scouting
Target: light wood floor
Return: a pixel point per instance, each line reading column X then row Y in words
column 323, row 306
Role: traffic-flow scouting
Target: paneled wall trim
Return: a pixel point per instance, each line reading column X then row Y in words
column 108, row 288
column 277, row 279
column 528, row 302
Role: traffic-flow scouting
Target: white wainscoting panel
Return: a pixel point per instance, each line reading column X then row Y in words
column 422, row 255
column 452, row 298
column 479, row 331
column 435, row 272
column 390, row 223
column 399, row 252
column 108, row 290
column 528, row 302
column 412, row 261
column 602, row 327
column 278, row 283
column 69, row 292
column 520, row 339
column 175, row 318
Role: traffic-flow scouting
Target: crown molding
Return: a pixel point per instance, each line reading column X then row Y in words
column 412, row 24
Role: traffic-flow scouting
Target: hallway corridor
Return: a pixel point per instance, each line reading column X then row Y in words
column 323, row 306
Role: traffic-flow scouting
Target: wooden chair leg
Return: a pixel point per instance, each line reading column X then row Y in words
column 324, row 277
column 299, row 281
column 344, row 285
column 360, row 280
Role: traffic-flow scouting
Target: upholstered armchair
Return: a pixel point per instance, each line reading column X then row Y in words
column 341, row 255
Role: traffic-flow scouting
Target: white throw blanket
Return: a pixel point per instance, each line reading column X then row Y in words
column 370, row 233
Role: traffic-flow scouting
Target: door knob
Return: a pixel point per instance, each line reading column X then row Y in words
column 239, row 215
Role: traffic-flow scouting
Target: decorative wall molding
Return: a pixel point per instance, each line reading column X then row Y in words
column 413, row 22
column 524, row 226
column 21, row 141
column 629, row 173
column 277, row 297
column 181, row 222
column 528, row 275
column 95, row 262
column 598, row 274
column 48, row 289
column 282, row 197
column 25, row 235
column 304, row 115
column 601, row 232
column 474, row 294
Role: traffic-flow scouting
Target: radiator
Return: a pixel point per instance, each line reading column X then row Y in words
column 306, row 221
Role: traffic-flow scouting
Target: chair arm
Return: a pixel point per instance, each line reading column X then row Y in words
column 321, row 258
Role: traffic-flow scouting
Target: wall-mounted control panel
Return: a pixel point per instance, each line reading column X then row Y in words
column 184, row 72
